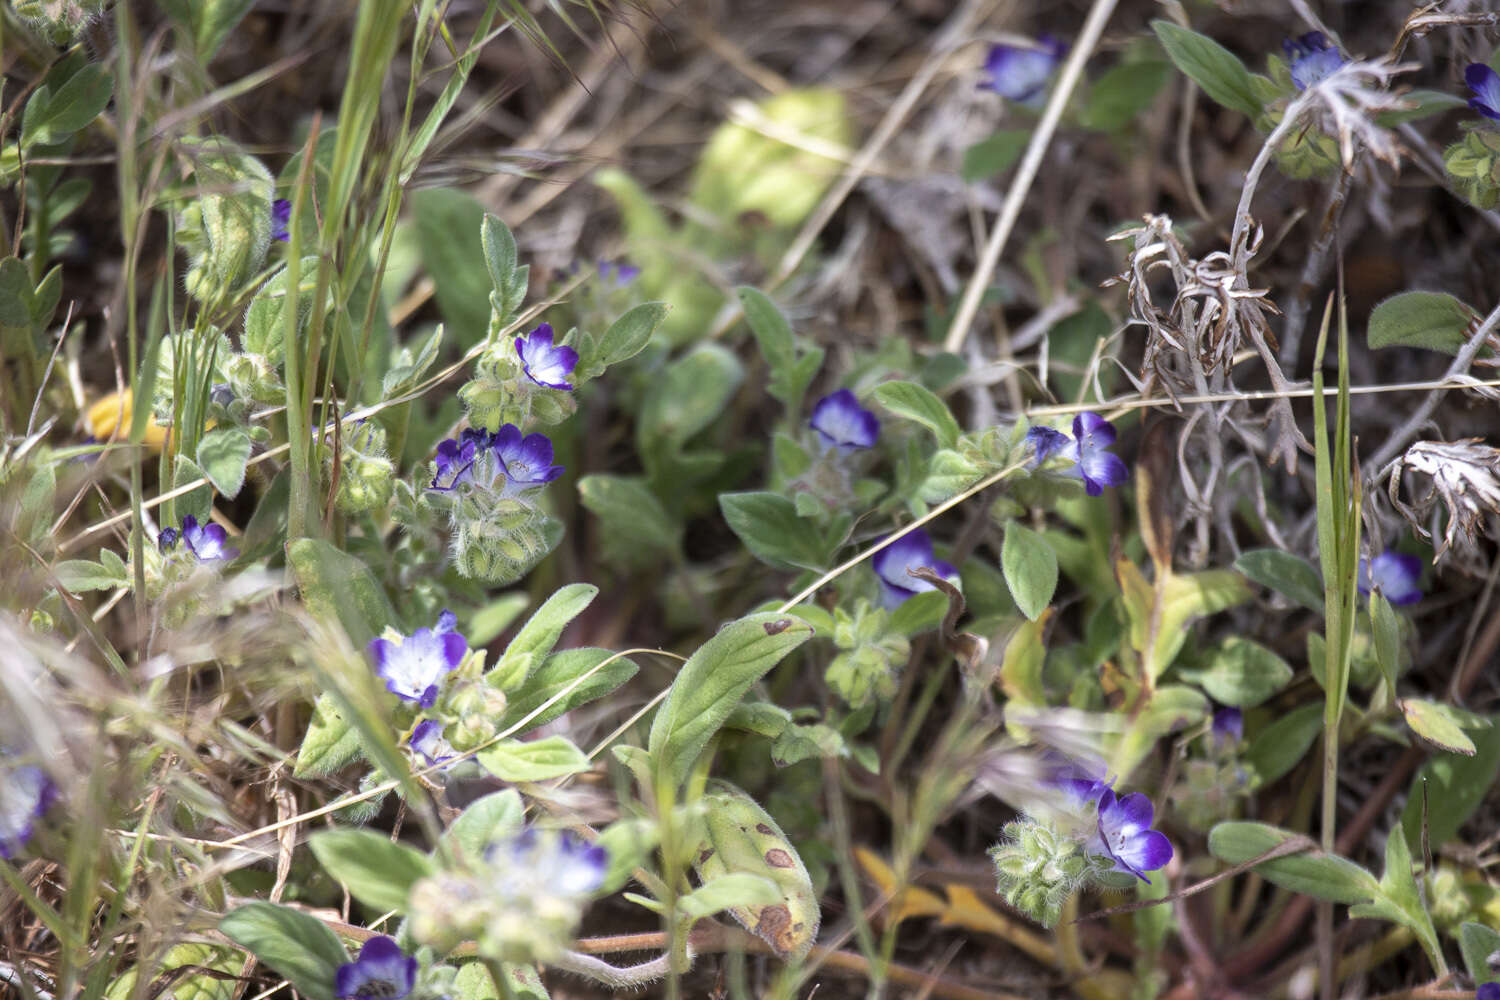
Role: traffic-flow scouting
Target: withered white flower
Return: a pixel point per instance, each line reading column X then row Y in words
column 1465, row 476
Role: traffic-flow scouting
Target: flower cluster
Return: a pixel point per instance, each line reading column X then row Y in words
column 413, row 667
column 521, row 901
column 204, row 542
column 1020, row 73
column 25, row 795
column 1100, row 836
column 1311, row 58
column 381, row 972
column 897, row 563
column 480, row 460
column 1087, row 449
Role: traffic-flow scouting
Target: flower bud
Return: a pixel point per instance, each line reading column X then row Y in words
column 226, row 226
column 59, row 20
column 1473, row 164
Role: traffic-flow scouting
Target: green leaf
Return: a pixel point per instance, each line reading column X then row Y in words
column 1427, row 103
column 918, row 403
column 1170, row 709
column 769, row 526
column 1400, row 901
column 689, row 395
column 1454, row 788
column 772, row 332
column 797, row 743
column 337, row 585
column 995, row 155
column 1433, row 320
column 741, row 890
column 1322, row 876
column 1211, row 66
column 80, row 575
column 1241, row 672
column 500, row 254
column 199, row 501
column 448, row 227
column 555, row 674
column 536, row 760
column 1280, row 745
column 329, row 743
column 375, row 870
column 177, row 964
column 1287, row 574
column 54, row 114
column 1478, row 943
column 711, row 684
column 627, row 843
column 265, row 318
column 635, row 528
column 1123, row 92
column 495, row 617
column 1435, row 724
column 298, row 947
column 223, row 453
column 1030, row 568
column 918, row 613
column 540, row 633
column 485, row 820
column 15, row 293
column 473, row 982
column 208, row 22
column 403, row 374
column 1385, row 624
column 629, row 335
column 742, row 838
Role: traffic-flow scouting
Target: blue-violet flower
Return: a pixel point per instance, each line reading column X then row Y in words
column 911, row 551
column 25, row 794
column 413, row 668
column 1020, row 73
column 1125, row 835
column 526, row 461
column 1092, row 435
column 843, row 424
column 281, row 216
column 557, row 863
column 1488, row 991
column 381, row 972
column 1394, row 574
column 1228, row 726
column 1485, row 83
column 206, row 542
column 1311, row 58
column 427, row 740
column 1081, row 781
column 543, row 363
column 1044, row 442
column 623, row 271
column 455, row 458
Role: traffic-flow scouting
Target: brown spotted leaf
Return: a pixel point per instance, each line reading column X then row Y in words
column 742, row 838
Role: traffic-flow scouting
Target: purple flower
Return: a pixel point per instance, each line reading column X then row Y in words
column 1045, row 442
column 381, row 972
column 455, row 458
column 206, row 542
column 526, row 461
column 624, row 272
column 25, row 794
column 1092, row 434
column 413, row 668
column 562, row 862
column 427, row 740
column 166, row 539
column 1228, row 727
column 281, row 214
column 1488, row 991
column 1394, row 574
column 1310, row 58
column 1485, row 83
column 543, row 363
column 843, row 424
column 1081, row 781
column 912, row 550
column 1020, row 73
column 1125, row 835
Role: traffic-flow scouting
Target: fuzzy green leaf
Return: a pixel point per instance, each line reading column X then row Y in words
column 1435, row 724
column 1287, row 574
column 222, row 453
column 297, row 946
column 1433, row 320
column 1323, row 876
column 769, row 526
column 375, row 870
column 1030, row 568
column 1453, row 786
column 535, row 760
column 1210, row 65
column 918, row 403
column 711, row 684
column 540, row 633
